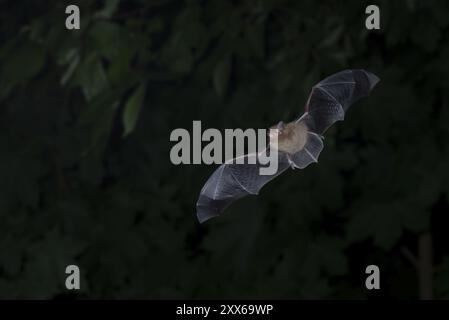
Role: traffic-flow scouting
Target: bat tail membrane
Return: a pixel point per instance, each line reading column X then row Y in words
column 310, row 153
column 232, row 181
column 331, row 97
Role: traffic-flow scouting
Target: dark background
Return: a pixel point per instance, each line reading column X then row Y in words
column 86, row 178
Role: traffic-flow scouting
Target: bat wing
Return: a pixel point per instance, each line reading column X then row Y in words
column 310, row 153
column 232, row 181
column 331, row 97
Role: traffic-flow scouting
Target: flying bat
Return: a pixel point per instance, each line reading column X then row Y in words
column 299, row 143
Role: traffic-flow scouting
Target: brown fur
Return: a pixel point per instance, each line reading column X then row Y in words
column 292, row 138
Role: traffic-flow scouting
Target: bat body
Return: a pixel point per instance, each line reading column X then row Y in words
column 298, row 143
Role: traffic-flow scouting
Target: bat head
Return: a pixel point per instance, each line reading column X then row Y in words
column 275, row 132
column 280, row 126
column 277, row 129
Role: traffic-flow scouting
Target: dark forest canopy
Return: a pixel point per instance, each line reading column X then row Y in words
column 85, row 121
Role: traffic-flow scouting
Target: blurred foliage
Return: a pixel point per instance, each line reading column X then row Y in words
column 85, row 119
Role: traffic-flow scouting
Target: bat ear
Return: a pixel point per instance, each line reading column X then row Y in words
column 280, row 126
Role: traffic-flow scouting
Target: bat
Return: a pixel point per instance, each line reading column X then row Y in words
column 299, row 143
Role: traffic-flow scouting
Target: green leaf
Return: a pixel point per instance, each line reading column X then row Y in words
column 18, row 69
column 92, row 77
column 71, row 69
column 132, row 109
